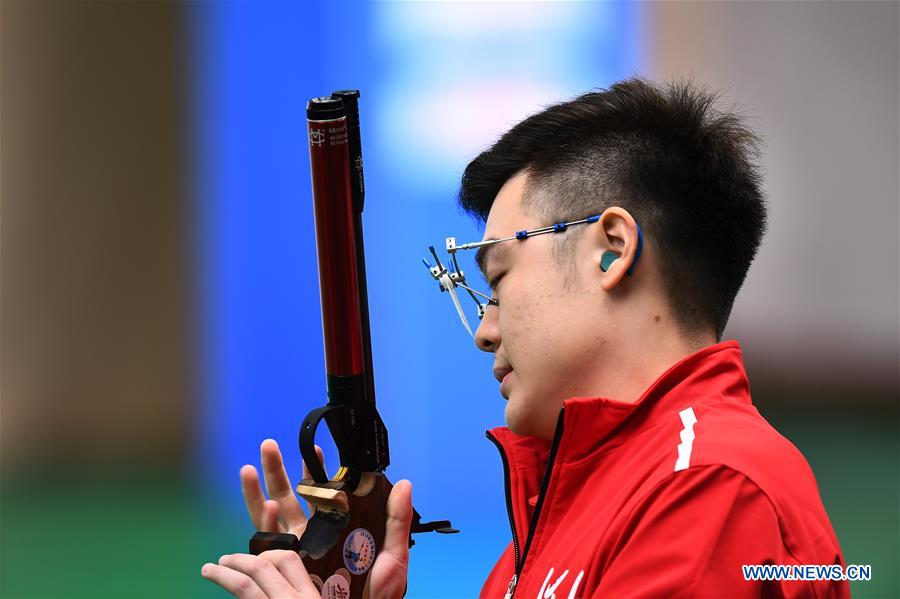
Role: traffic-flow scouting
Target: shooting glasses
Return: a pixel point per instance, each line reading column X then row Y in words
column 452, row 276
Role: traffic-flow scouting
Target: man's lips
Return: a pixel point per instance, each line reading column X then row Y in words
column 502, row 375
column 501, row 372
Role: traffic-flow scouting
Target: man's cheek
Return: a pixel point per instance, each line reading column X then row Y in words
column 520, row 311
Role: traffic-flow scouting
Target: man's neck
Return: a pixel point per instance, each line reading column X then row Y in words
column 644, row 357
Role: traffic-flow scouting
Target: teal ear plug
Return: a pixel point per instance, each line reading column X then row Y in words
column 607, row 260
column 609, row 257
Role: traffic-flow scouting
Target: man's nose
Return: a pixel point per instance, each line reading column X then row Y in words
column 487, row 335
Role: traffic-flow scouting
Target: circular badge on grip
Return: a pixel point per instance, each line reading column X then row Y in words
column 335, row 587
column 359, row 551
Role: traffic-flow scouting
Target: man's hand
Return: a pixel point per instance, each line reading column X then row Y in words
column 276, row 573
column 282, row 511
column 281, row 573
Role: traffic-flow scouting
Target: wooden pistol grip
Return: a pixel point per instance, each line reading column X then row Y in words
column 351, row 558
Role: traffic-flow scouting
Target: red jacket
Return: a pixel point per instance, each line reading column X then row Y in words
column 665, row 497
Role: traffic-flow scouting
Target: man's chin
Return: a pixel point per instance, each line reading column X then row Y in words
column 516, row 422
column 525, row 423
column 510, row 418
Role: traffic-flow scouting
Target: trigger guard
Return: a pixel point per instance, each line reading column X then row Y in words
column 307, row 442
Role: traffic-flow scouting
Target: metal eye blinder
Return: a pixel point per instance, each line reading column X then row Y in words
column 450, row 278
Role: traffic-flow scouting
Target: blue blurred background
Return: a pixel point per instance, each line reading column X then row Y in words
column 161, row 309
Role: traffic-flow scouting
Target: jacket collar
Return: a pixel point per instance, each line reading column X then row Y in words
column 590, row 423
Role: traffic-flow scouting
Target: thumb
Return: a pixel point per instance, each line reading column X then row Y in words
column 399, row 519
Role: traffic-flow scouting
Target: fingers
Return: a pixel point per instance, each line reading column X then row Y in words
column 277, row 482
column 237, row 583
column 309, row 507
column 253, row 496
column 399, row 520
column 270, row 517
column 291, row 567
column 390, row 569
column 278, row 486
column 275, row 573
column 264, row 575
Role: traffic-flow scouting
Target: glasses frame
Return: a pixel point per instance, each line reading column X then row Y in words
column 450, row 279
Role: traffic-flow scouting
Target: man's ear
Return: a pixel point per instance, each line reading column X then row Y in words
column 616, row 246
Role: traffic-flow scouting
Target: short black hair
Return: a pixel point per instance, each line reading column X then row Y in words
column 686, row 170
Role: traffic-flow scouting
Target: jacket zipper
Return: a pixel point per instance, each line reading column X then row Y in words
column 520, row 563
column 509, row 510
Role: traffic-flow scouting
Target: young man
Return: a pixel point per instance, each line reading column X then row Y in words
column 635, row 462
